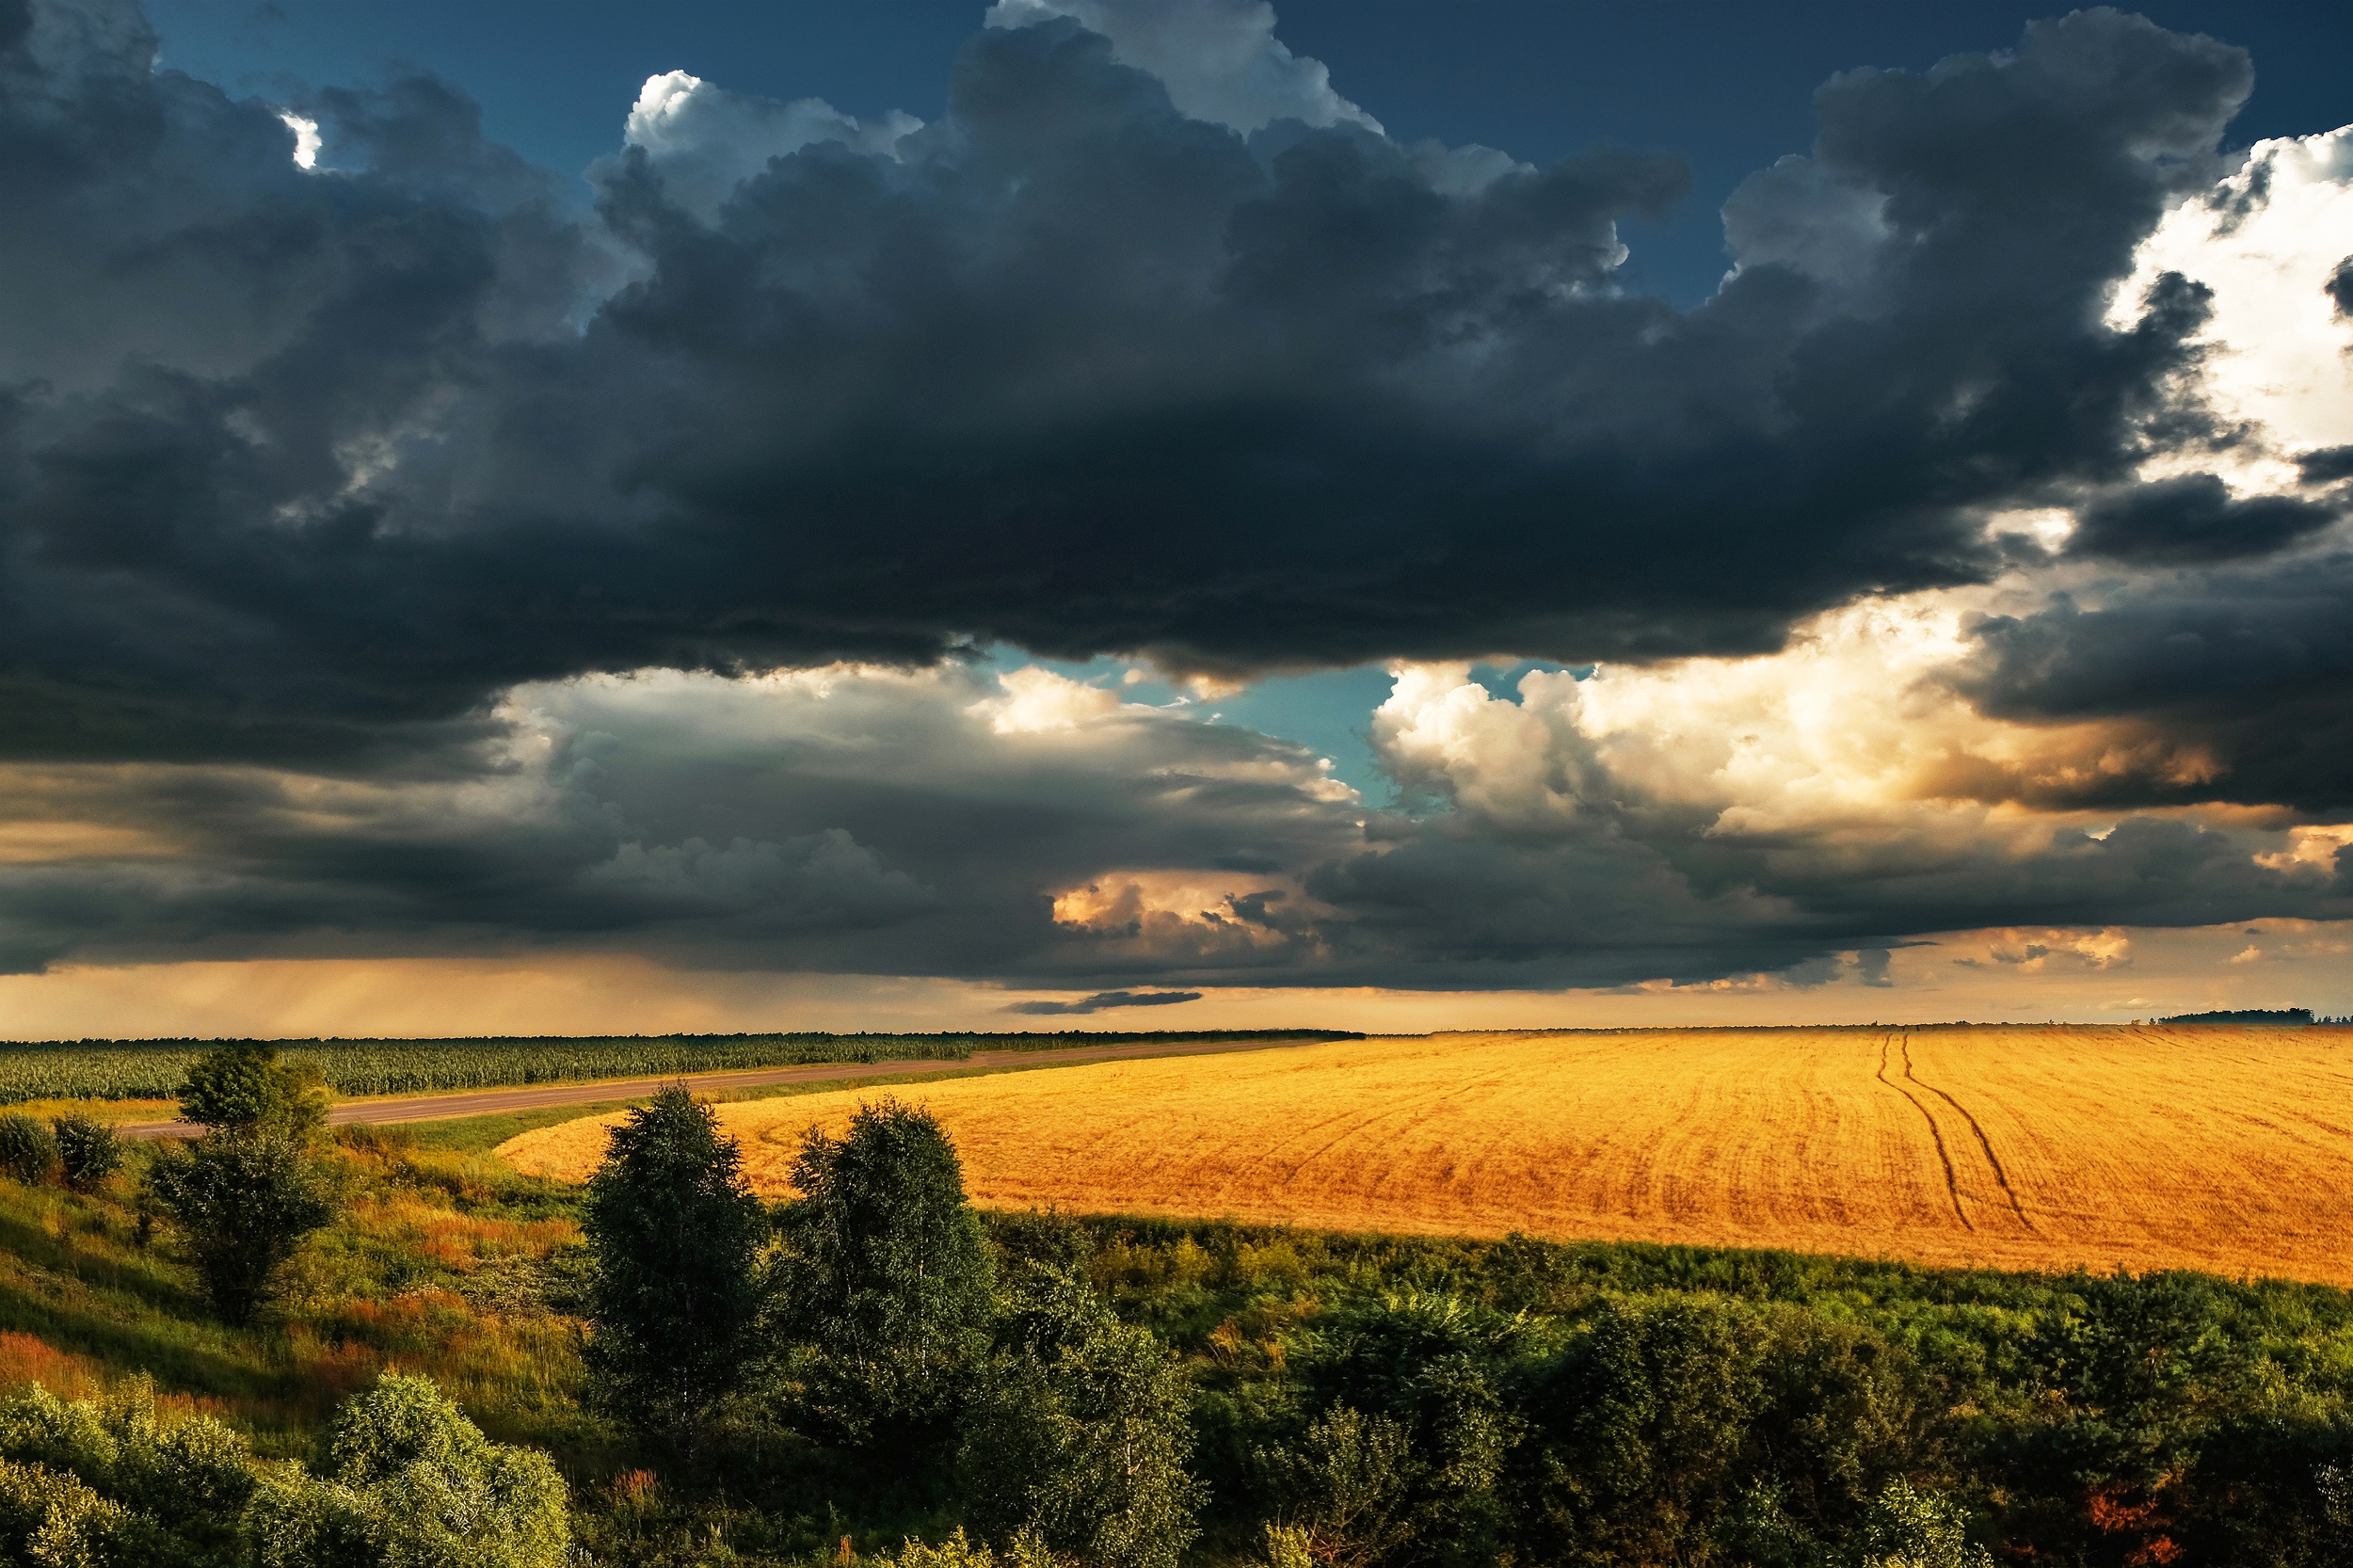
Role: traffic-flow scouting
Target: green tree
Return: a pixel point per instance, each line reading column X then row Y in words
column 244, row 1201
column 885, row 1283
column 1076, row 1433
column 50, row 1517
column 1345, row 1486
column 675, row 1236
column 1650, row 1414
column 246, row 1087
column 247, row 1195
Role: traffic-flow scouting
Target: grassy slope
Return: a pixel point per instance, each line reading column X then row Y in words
column 442, row 1262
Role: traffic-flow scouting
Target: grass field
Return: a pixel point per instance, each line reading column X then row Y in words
column 152, row 1069
column 2224, row 1149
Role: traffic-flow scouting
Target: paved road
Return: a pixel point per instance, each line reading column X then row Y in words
column 492, row 1102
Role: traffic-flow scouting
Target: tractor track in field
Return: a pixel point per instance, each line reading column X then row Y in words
column 1952, row 1182
column 2001, row 1176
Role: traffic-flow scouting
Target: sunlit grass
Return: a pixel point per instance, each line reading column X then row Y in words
column 442, row 1262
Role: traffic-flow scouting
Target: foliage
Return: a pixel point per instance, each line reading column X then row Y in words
column 1418, row 1476
column 1023, row 1551
column 406, row 1481
column 243, row 1200
column 675, row 1235
column 154, row 1069
column 88, row 1150
column 168, row 1492
column 28, row 1151
column 48, row 1517
column 1911, row 1529
column 244, row 1088
column 1344, row 1485
column 1077, row 1432
column 884, row 1284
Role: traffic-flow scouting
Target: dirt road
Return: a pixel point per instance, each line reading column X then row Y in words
column 492, row 1102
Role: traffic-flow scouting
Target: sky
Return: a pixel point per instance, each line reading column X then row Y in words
column 1170, row 513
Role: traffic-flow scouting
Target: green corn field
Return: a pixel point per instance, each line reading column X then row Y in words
column 152, row 1069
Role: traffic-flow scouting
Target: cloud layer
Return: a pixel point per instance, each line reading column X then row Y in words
column 397, row 558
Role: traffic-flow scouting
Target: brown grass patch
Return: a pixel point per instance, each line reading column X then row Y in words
column 2229, row 1150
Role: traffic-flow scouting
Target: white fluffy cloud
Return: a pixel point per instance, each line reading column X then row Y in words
column 2267, row 240
column 704, row 141
column 1852, row 730
column 1841, row 772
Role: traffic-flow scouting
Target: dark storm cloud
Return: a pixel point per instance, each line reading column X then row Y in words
column 858, row 824
column 2340, row 287
column 2194, row 518
column 1102, row 999
column 2326, row 466
column 303, row 473
column 297, row 461
column 2253, row 666
column 1617, row 900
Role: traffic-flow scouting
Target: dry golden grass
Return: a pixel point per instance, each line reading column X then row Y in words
column 2224, row 1150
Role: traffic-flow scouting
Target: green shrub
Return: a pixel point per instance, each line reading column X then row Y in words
column 1346, row 1486
column 38, row 1428
column 88, row 1150
column 957, row 1551
column 52, row 1520
column 1907, row 1528
column 28, row 1152
column 408, row 1481
column 295, row 1520
column 1076, row 1433
column 190, row 1478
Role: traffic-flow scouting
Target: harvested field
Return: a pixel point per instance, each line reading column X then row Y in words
column 2224, row 1150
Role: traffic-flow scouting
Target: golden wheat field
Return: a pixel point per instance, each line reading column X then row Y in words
column 2225, row 1149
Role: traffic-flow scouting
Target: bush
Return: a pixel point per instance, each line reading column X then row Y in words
column 88, row 1150
column 1345, row 1487
column 407, row 1482
column 106, row 1476
column 1077, row 1434
column 48, row 1517
column 1417, row 1430
column 1907, row 1528
column 28, row 1152
column 244, row 1201
column 959, row 1552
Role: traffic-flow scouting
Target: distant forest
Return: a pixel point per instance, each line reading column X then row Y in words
column 2285, row 1017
